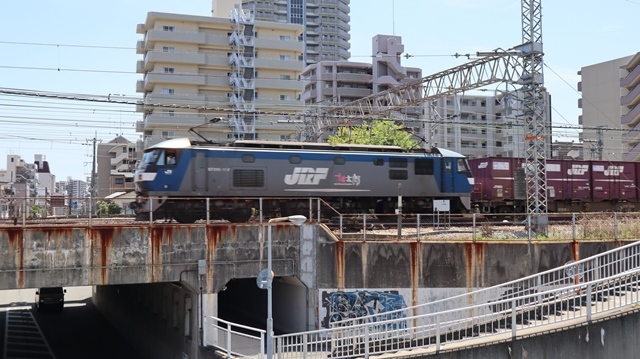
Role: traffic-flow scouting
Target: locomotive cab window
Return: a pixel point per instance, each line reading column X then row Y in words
column 463, row 167
column 423, row 166
column 170, row 158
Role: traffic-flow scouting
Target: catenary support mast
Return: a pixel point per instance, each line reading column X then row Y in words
column 534, row 105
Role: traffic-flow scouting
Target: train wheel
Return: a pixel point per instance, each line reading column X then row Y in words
column 383, row 211
column 185, row 218
column 238, row 215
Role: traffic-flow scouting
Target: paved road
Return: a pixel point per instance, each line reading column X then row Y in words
column 80, row 331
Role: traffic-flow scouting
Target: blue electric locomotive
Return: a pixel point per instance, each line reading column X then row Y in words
column 174, row 177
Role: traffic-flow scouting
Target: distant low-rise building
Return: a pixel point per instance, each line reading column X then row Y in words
column 116, row 164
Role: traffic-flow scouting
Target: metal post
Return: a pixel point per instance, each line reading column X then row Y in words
column 573, row 225
column 615, row 225
column 474, row 227
column 513, row 318
column 418, row 226
column 208, row 209
column 269, row 296
column 399, row 210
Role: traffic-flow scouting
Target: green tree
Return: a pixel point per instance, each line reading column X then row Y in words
column 108, row 207
column 379, row 132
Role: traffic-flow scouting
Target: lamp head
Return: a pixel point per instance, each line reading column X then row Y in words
column 297, row 219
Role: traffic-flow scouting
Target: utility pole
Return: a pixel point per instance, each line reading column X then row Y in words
column 93, row 193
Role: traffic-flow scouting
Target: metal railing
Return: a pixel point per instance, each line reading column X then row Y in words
column 362, row 226
column 234, row 339
column 569, row 294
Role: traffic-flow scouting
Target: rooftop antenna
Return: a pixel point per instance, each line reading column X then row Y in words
column 393, row 15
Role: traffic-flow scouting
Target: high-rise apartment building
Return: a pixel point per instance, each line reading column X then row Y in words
column 240, row 73
column 325, row 22
column 610, row 106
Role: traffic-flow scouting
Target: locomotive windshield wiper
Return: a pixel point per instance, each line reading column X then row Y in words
column 212, row 120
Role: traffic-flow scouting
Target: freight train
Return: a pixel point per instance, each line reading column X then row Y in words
column 350, row 178
column 572, row 185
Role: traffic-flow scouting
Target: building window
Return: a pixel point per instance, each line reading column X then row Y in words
column 285, row 38
column 168, row 70
column 168, row 28
column 168, row 49
column 285, row 57
column 285, row 97
column 168, row 112
column 119, row 181
column 285, row 77
column 168, row 134
column 168, row 91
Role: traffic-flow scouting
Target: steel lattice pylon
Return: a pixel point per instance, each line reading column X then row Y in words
column 534, row 108
column 499, row 67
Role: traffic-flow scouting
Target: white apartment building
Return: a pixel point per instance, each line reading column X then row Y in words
column 116, row 161
column 610, row 106
column 240, row 73
column 329, row 83
column 325, row 22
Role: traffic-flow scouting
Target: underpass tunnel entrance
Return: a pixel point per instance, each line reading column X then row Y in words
column 241, row 301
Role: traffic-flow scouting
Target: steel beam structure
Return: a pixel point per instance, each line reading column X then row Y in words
column 534, row 104
column 496, row 68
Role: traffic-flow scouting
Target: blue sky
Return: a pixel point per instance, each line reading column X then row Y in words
column 36, row 36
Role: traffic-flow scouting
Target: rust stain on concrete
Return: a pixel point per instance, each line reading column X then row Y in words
column 474, row 264
column 415, row 272
column 340, row 264
column 106, row 236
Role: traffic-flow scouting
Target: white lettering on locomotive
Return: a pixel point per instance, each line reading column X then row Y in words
column 614, row 170
column 577, row 170
column 306, row 176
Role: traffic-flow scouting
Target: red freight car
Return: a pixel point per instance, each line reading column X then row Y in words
column 572, row 185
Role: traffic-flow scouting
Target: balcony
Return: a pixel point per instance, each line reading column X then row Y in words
column 631, row 118
column 282, row 45
column 157, row 98
column 162, row 120
column 631, row 99
column 633, row 155
column 632, row 79
column 278, row 64
column 152, row 78
column 177, row 36
column 278, row 84
column 119, row 159
column 353, row 77
column 178, row 57
column 353, row 92
column 635, row 61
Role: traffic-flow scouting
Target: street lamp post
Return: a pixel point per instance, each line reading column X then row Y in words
column 297, row 220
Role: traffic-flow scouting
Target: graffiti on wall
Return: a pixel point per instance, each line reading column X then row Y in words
column 341, row 305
